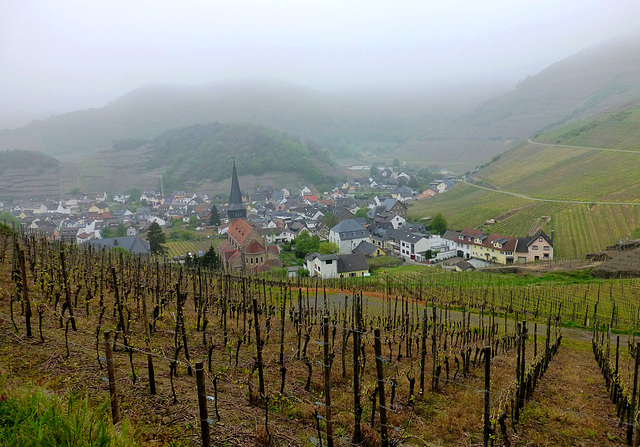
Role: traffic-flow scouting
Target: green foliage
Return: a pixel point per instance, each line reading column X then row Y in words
column 214, row 219
column 327, row 248
column 362, row 212
column 330, row 219
column 193, row 222
column 438, row 224
column 206, row 151
column 107, row 232
column 134, row 193
column 636, row 233
column 36, row 419
column 305, row 243
column 179, row 234
column 121, row 230
column 210, row 260
column 156, row 239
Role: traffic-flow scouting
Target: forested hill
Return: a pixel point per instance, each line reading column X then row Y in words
column 201, row 156
column 205, row 152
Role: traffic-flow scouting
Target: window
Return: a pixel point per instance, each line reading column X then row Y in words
column 540, row 239
column 534, row 247
column 546, row 248
column 330, row 261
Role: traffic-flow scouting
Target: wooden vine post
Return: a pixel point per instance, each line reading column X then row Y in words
column 384, row 440
column 326, row 363
column 202, row 404
column 145, row 321
column 487, row 395
column 25, row 292
column 357, row 407
column 632, row 411
column 111, row 371
column 259, row 365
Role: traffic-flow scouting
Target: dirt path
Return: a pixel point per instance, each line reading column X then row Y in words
column 587, row 418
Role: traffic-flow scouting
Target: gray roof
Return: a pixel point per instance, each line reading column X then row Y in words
column 352, row 263
column 366, row 248
column 350, row 229
column 133, row 244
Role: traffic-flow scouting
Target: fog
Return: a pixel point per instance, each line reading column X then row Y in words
column 74, row 54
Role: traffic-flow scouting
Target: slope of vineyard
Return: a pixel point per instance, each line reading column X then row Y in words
column 177, row 248
column 586, row 178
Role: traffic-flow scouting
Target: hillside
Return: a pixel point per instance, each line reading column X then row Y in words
column 199, row 156
column 588, row 195
column 345, row 122
column 24, row 173
column 582, row 86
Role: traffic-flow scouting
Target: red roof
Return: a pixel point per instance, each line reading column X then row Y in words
column 240, row 230
column 254, row 247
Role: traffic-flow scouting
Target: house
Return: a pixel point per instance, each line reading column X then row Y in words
column 463, row 266
column 538, row 247
column 133, row 244
column 337, row 266
column 348, row 234
column 470, row 243
column 369, row 250
column 427, row 193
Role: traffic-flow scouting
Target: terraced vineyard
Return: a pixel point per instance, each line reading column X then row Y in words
column 602, row 183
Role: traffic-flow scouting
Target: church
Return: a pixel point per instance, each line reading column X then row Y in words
column 245, row 250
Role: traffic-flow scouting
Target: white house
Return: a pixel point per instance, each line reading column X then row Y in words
column 348, row 234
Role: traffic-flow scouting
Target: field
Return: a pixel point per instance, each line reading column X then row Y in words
column 177, row 248
column 297, row 364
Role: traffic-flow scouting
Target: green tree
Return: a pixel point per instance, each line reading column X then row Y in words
column 330, row 220
column 121, row 230
column 134, row 193
column 362, row 212
column 328, row 248
column 395, row 163
column 439, row 224
column 193, row 221
column 214, row 219
column 373, row 171
column 156, row 239
column 106, row 233
column 305, row 244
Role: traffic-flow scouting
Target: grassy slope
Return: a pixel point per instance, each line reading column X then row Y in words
column 546, row 172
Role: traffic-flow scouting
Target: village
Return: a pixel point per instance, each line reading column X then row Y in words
column 257, row 231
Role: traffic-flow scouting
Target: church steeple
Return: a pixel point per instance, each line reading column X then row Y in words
column 236, row 207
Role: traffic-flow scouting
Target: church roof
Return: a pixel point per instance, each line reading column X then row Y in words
column 235, row 198
column 240, row 230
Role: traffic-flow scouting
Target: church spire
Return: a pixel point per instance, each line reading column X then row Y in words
column 236, row 207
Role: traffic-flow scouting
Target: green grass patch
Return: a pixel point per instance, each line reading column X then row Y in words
column 34, row 418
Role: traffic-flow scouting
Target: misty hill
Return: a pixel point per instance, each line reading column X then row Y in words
column 590, row 197
column 578, row 87
column 27, row 173
column 199, row 156
column 343, row 122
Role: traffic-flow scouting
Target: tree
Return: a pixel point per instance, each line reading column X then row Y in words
column 439, row 224
column 156, row 239
column 305, row 244
column 106, row 233
column 330, row 220
column 193, row 221
column 134, row 193
column 362, row 212
column 373, row 171
column 328, row 248
column 121, row 230
column 395, row 163
column 214, row 219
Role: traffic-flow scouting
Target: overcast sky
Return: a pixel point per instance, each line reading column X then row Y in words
column 63, row 55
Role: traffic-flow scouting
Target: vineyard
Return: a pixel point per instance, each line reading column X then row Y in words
column 177, row 248
column 193, row 357
column 555, row 174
